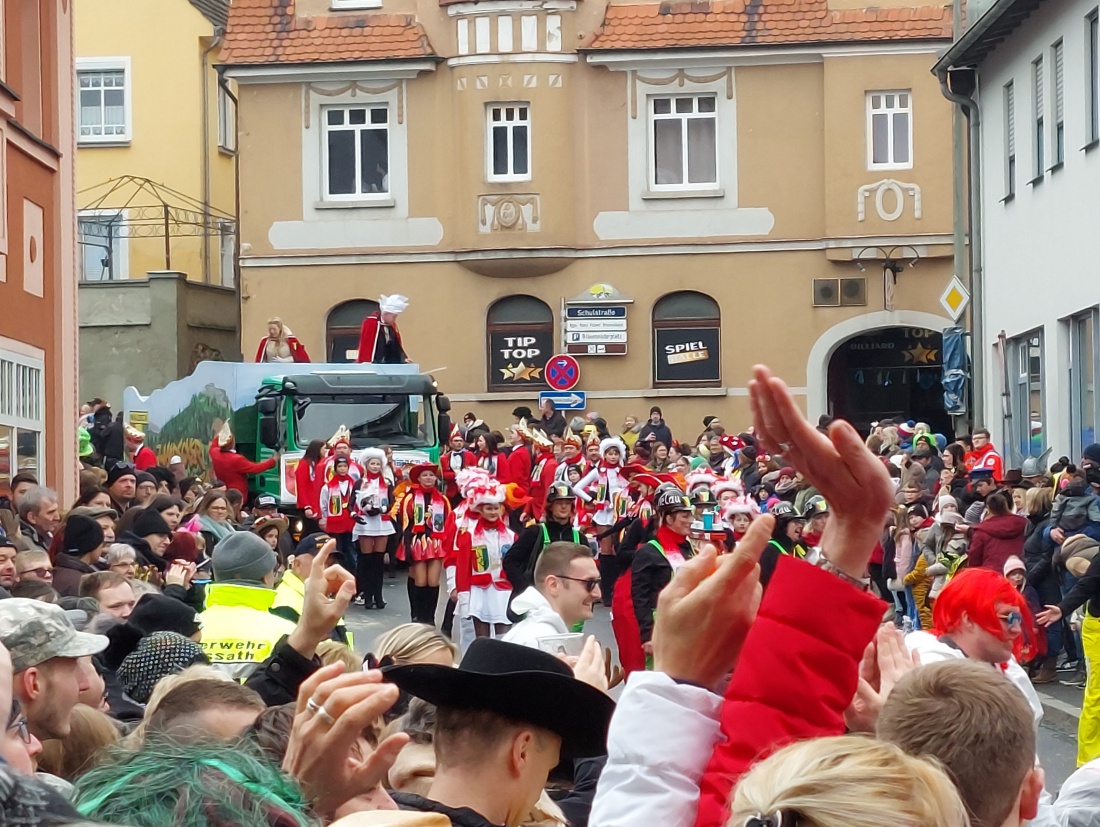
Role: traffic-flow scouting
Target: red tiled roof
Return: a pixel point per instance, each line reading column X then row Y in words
column 762, row 22
column 267, row 31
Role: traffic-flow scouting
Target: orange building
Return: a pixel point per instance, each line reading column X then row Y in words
column 37, row 283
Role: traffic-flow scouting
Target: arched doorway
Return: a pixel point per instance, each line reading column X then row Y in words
column 888, row 373
column 342, row 329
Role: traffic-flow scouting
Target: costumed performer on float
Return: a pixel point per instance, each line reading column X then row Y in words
column 141, row 455
column 280, row 345
column 379, row 338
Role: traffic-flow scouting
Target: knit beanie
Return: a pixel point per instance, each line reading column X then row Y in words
column 82, row 535
column 159, row 613
column 118, row 471
column 1092, row 452
column 144, row 476
column 151, row 522
column 243, row 556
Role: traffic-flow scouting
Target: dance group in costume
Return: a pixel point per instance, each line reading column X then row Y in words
column 478, row 521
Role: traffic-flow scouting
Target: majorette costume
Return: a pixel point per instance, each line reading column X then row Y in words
column 479, row 559
column 424, row 512
column 229, row 466
column 341, row 437
column 143, row 455
column 452, row 463
column 373, row 499
column 380, row 342
column 286, row 348
column 575, row 460
column 600, row 486
column 338, row 511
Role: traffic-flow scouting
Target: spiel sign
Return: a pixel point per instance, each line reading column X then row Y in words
column 687, row 354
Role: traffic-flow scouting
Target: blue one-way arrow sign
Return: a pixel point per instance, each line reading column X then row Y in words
column 565, row 400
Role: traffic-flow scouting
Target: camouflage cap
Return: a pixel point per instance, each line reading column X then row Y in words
column 35, row 632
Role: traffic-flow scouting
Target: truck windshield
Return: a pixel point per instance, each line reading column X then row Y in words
column 374, row 419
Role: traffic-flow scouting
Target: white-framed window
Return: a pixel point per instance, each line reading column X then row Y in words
column 683, row 142
column 227, row 120
column 104, row 109
column 356, row 152
column 22, row 416
column 1057, row 59
column 1038, row 100
column 1084, row 375
column 227, row 252
column 101, row 237
column 1010, row 139
column 1092, row 75
column 890, row 129
column 1027, row 437
column 508, row 142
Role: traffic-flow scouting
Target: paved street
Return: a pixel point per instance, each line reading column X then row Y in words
column 1057, row 744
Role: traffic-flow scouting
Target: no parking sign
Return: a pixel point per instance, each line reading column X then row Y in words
column 562, row 372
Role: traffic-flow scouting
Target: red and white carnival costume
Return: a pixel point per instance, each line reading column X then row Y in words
column 452, row 462
column 342, row 438
column 373, row 499
column 337, row 505
column 285, row 348
column 424, row 519
column 479, row 557
column 600, row 486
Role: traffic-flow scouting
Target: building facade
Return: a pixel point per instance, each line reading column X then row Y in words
column 37, row 284
column 1038, row 80
column 673, row 192
column 156, row 141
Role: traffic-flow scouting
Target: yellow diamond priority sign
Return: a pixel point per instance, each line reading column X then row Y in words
column 955, row 298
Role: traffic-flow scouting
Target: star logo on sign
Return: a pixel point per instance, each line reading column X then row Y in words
column 920, row 355
column 520, row 372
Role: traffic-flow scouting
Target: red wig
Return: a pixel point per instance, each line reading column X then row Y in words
column 976, row 593
column 183, row 547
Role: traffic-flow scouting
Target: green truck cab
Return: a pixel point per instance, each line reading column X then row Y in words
column 273, row 412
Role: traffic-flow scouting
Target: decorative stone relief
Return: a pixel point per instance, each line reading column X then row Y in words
column 460, row 84
column 530, row 81
column 509, row 213
column 505, row 81
column 352, row 89
column 555, row 81
column 889, row 207
column 481, row 82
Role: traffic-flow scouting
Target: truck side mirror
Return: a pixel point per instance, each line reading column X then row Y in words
column 443, row 403
column 269, row 432
column 267, row 405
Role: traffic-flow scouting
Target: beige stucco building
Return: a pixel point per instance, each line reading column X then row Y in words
column 732, row 175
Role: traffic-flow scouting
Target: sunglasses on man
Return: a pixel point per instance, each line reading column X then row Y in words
column 589, row 585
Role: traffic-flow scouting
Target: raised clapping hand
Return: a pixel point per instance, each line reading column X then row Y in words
column 336, row 770
column 328, row 592
column 884, row 663
column 1048, row 616
column 850, row 478
column 705, row 613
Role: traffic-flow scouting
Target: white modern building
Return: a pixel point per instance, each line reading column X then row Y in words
column 1035, row 83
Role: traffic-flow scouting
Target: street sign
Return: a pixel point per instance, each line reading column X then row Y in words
column 955, row 298
column 596, row 312
column 596, row 350
column 590, row 325
column 565, row 400
column 602, row 337
column 562, row 372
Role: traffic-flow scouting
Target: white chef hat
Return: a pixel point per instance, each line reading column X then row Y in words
column 393, row 304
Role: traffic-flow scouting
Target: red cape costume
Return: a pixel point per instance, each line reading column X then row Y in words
column 297, row 350
column 370, row 348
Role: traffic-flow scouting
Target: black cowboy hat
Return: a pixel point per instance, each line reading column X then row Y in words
column 519, row 683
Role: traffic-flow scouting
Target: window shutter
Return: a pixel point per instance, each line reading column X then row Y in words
column 1039, row 88
column 1010, row 118
column 1059, row 96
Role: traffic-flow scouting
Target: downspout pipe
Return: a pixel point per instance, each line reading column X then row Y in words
column 219, row 35
column 977, row 286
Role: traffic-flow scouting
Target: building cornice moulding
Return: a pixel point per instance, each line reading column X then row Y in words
column 672, row 58
column 504, row 6
column 331, row 72
column 922, row 243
